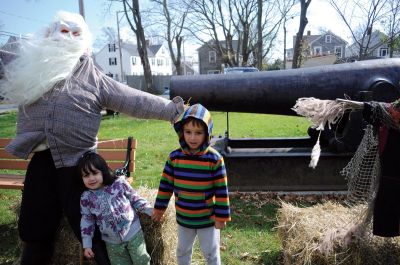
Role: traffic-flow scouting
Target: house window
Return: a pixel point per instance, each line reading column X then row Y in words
column 328, row 38
column 153, row 61
column 110, row 75
column 112, row 61
column 133, row 60
column 338, row 51
column 211, row 72
column 212, row 57
column 383, row 52
column 317, row 51
column 111, row 47
column 160, row 62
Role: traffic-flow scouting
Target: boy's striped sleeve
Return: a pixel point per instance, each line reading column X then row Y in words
column 221, row 206
column 166, row 187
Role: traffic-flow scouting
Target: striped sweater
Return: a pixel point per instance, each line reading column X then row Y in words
column 198, row 181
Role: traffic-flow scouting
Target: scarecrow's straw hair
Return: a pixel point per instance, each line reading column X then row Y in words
column 327, row 234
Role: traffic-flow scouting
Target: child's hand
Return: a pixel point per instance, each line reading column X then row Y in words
column 88, row 253
column 220, row 225
column 157, row 215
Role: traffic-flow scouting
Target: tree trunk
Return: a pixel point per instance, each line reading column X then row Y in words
column 259, row 35
column 297, row 49
column 141, row 43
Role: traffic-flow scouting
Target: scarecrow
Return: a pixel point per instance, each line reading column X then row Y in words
column 60, row 93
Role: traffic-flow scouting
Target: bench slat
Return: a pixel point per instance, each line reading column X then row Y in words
column 115, row 144
column 11, row 181
column 4, row 142
column 5, row 154
column 14, row 164
column 117, row 155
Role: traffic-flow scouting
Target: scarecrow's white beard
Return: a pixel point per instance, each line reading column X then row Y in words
column 39, row 66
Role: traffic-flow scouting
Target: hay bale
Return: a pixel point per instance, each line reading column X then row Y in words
column 305, row 231
column 161, row 238
column 67, row 249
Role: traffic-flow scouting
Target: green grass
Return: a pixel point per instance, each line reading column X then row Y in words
column 248, row 239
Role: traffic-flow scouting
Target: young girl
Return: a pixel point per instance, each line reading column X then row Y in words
column 112, row 204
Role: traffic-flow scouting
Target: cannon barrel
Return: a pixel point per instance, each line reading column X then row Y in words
column 276, row 92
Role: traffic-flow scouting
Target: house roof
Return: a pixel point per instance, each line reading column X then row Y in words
column 155, row 48
column 310, row 39
column 327, row 33
column 133, row 50
column 210, row 43
column 9, row 49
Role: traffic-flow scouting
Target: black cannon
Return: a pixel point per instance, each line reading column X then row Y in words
column 281, row 164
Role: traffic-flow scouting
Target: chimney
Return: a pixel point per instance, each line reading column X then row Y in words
column 308, row 32
column 147, row 43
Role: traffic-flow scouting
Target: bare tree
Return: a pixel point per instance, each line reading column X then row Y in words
column 242, row 32
column 297, row 49
column 366, row 15
column 285, row 8
column 391, row 25
column 259, row 34
column 132, row 13
column 175, row 16
column 210, row 19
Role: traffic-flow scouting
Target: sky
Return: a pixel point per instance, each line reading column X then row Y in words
column 29, row 16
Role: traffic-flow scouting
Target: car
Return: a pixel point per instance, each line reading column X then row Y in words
column 166, row 93
column 242, row 69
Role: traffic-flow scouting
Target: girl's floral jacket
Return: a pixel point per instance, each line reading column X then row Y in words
column 114, row 209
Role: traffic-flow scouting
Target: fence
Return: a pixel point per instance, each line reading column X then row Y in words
column 160, row 82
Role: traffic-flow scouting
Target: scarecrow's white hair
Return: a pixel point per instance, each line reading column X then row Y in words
column 44, row 61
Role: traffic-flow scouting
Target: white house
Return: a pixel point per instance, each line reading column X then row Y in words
column 108, row 58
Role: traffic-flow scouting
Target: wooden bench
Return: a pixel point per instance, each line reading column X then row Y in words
column 119, row 154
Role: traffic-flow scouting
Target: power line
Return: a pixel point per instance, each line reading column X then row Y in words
column 22, row 17
column 7, row 33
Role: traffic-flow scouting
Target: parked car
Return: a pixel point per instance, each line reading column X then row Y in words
column 166, row 93
column 242, row 69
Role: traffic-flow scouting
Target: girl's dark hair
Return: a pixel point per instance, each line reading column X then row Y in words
column 91, row 162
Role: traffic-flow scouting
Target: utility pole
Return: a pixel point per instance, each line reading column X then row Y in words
column 119, row 48
column 184, row 59
column 81, row 9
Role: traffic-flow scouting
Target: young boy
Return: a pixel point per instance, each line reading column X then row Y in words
column 196, row 174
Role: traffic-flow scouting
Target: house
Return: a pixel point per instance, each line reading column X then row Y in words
column 8, row 52
column 210, row 61
column 377, row 47
column 327, row 45
column 108, row 58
